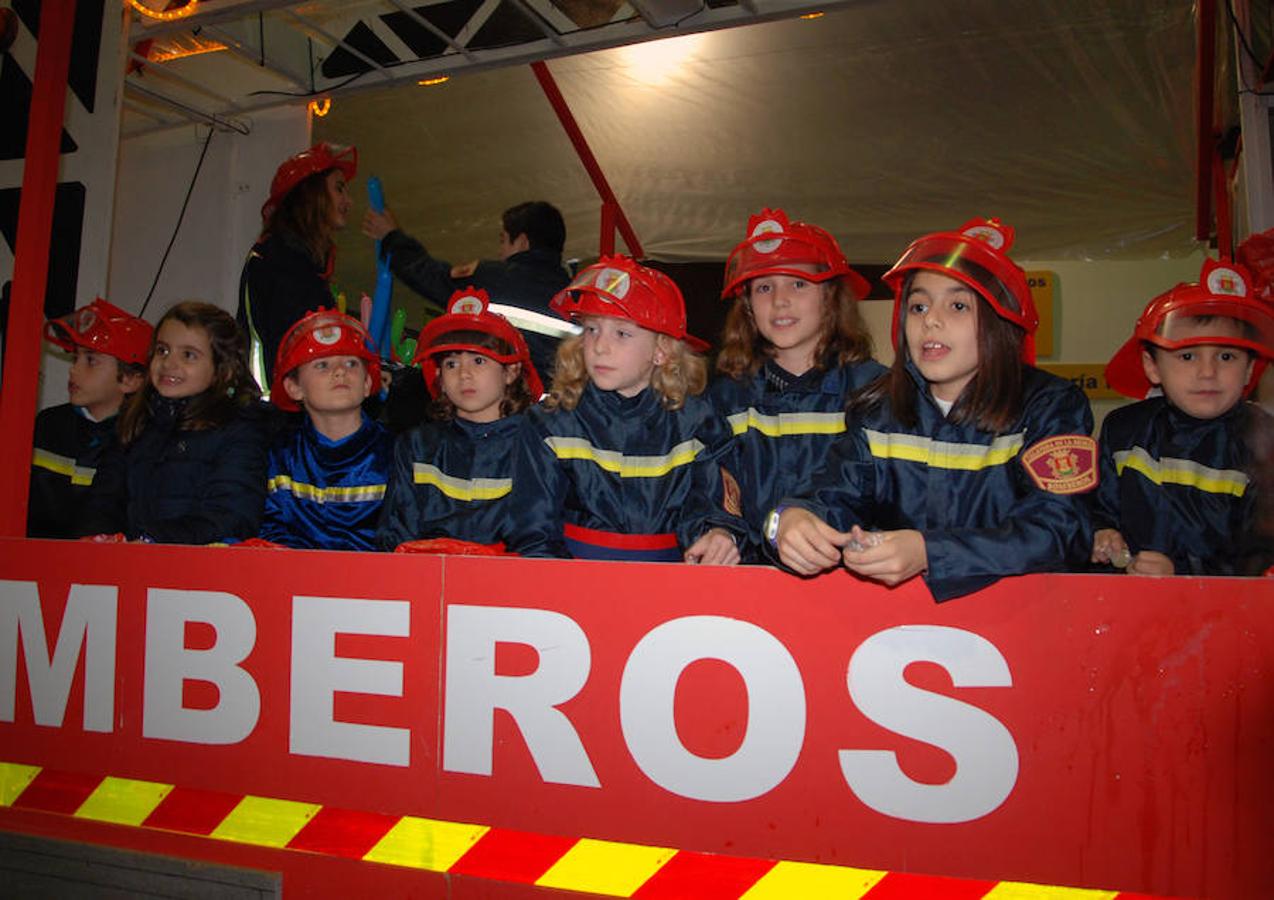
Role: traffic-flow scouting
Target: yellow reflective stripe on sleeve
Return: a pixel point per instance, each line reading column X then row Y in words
column 62, row 465
column 621, row 465
column 798, row 879
column 265, row 822
column 1182, row 471
column 363, row 493
column 1017, row 890
column 944, row 454
column 14, row 778
column 425, row 843
column 787, row 424
column 123, row 801
column 605, row 867
column 461, row 488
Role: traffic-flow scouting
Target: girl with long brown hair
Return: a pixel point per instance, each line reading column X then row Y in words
column 964, row 463
column 189, row 463
column 794, row 348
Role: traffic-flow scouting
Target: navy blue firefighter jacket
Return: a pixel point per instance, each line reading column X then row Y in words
column 1183, row 487
column 966, row 490
column 619, row 466
column 324, row 494
column 178, row 486
column 781, row 435
column 451, row 479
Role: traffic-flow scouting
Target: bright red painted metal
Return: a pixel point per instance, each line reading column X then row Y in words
column 1138, row 709
column 31, row 261
column 610, row 205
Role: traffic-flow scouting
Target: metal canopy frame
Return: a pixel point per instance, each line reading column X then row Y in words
column 277, row 51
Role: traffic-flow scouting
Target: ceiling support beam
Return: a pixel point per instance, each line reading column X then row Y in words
column 613, row 216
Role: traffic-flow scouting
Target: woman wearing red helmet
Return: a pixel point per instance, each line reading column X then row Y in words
column 289, row 268
column 794, row 349
column 622, row 461
column 967, row 459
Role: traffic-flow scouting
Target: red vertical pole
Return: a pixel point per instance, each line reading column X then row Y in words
column 1205, row 139
column 606, row 243
column 1221, row 194
column 564, row 115
column 31, row 261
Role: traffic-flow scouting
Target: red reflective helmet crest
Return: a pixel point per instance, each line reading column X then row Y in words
column 620, row 287
column 776, row 246
column 467, row 311
column 1220, row 309
column 103, row 328
column 977, row 256
column 320, row 334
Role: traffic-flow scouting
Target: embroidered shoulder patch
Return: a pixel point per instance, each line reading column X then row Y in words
column 465, row 271
column 1063, row 464
column 732, row 500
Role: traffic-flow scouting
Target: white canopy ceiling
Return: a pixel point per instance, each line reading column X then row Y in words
column 1069, row 119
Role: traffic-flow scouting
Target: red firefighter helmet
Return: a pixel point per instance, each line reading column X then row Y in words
column 319, row 334
column 775, row 246
column 1171, row 321
column 295, row 169
column 467, row 311
column 103, row 328
column 976, row 255
column 620, row 287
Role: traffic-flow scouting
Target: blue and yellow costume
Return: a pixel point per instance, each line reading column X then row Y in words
column 450, row 479
column 966, row 490
column 618, row 478
column 1181, row 486
column 326, row 494
column 68, row 447
column 782, row 426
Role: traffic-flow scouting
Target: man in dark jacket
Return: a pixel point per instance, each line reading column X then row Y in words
column 520, row 283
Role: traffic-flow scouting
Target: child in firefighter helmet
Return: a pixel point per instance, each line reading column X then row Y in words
column 794, row 348
column 289, row 269
column 966, row 458
column 622, row 462
column 189, row 463
column 453, row 476
column 1179, row 486
column 326, row 478
column 110, row 349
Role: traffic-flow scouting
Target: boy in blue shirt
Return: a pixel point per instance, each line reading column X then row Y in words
column 1177, row 492
column 327, row 478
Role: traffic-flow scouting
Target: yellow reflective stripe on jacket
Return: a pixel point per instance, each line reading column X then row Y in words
column 461, row 488
column 63, row 465
column 785, row 424
column 625, row 466
column 1182, row 471
column 362, row 493
column 942, row 454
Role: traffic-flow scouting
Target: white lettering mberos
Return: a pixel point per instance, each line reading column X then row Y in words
column 89, row 621
column 776, row 708
column 474, row 691
column 318, row 673
column 984, row 751
column 169, row 665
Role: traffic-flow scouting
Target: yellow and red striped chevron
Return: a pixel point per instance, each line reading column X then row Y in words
column 578, row 864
